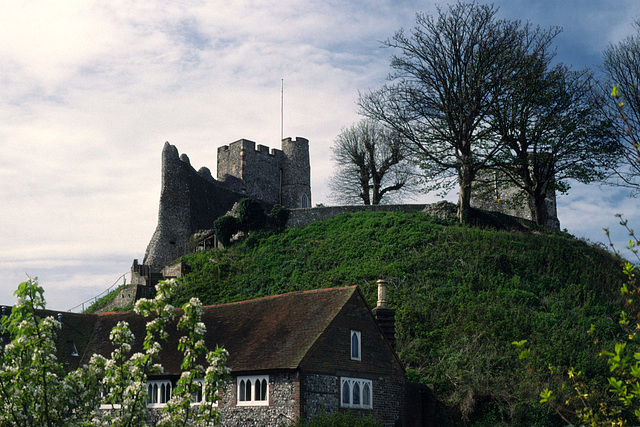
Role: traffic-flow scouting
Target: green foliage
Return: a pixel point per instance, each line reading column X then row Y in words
column 103, row 301
column 226, row 226
column 278, row 217
column 612, row 400
column 250, row 215
column 462, row 295
column 339, row 419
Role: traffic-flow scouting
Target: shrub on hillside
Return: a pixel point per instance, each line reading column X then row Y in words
column 251, row 215
column 225, row 227
column 278, row 217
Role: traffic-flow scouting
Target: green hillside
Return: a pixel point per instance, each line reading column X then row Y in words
column 462, row 295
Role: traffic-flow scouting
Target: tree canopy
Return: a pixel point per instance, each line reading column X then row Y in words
column 447, row 76
column 551, row 123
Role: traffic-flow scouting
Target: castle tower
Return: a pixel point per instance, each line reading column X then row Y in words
column 296, row 173
column 277, row 177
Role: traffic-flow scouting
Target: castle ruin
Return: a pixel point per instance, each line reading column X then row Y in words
column 191, row 200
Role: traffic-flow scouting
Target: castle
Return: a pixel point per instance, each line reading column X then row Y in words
column 191, row 200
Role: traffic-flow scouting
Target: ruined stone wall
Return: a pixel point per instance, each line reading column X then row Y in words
column 126, row 296
column 189, row 201
column 510, row 200
column 302, row 217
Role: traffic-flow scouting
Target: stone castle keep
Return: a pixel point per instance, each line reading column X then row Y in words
column 191, row 200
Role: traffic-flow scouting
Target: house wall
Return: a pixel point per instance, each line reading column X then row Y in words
column 320, row 394
column 283, row 409
column 330, row 359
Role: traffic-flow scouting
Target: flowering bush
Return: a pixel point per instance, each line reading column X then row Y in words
column 35, row 389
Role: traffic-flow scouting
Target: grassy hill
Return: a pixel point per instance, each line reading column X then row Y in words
column 462, row 295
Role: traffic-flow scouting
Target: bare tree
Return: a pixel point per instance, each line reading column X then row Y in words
column 446, row 78
column 371, row 165
column 622, row 65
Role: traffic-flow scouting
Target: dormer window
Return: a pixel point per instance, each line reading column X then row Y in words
column 72, row 348
column 355, row 345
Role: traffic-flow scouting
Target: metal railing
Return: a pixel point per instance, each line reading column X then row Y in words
column 90, row 301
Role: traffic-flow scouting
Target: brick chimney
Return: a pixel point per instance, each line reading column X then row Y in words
column 384, row 315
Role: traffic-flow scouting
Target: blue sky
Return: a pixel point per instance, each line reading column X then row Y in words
column 90, row 91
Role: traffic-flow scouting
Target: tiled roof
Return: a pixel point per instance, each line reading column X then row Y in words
column 74, row 334
column 266, row 333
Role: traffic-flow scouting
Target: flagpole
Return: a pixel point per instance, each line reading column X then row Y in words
column 281, row 109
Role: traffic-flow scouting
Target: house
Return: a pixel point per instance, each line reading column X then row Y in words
column 291, row 355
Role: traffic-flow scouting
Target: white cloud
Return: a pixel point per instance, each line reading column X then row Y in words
column 91, row 90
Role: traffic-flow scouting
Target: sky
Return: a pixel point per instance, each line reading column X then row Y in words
column 91, row 90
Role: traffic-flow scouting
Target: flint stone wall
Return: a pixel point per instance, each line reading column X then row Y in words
column 321, row 394
column 283, row 406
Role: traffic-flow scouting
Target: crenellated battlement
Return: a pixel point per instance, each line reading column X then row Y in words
column 276, row 176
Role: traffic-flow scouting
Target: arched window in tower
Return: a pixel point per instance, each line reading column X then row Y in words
column 304, row 201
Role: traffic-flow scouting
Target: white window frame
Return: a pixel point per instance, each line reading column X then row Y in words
column 347, row 401
column 202, row 400
column 159, row 400
column 251, row 401
column 358, row 348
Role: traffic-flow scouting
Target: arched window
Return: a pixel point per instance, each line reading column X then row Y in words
column 241, row 388
column 264, row 390
column 346, row 394
column 356, row 394
column 248, row 390
column 258, row 395
column 158, row 392
column 167, row 393
column 253, row 390
column 366, row 395
column 304, row 201
column 355, row 345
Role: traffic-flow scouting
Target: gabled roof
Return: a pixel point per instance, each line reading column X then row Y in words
column 273, row 332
